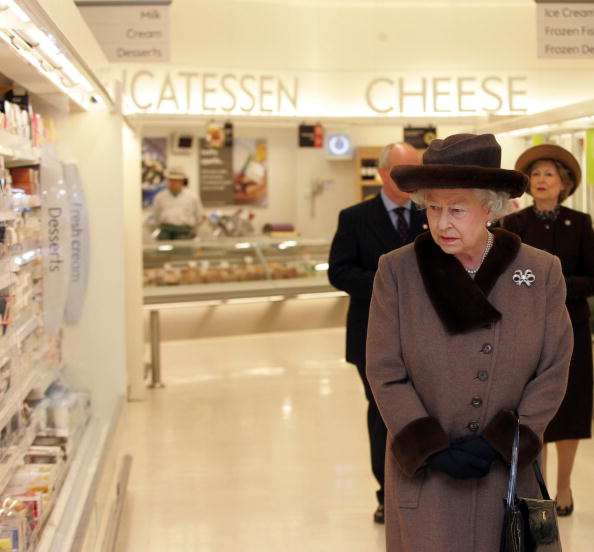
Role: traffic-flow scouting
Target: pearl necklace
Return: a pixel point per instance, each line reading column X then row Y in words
column 473, row 271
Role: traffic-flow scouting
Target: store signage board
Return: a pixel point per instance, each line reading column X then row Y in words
column 565, row 29
column 79, row 244
column 310, row 96
column 130, row 31
column 190, row 90
column 419, row 137
column 215, row 169
column 55, row 224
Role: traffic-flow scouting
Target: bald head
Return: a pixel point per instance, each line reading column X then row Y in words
column 391, row 156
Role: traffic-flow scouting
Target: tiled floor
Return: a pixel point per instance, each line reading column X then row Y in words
column 258, row 443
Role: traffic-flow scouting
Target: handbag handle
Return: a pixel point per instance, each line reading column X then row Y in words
column 513, row 473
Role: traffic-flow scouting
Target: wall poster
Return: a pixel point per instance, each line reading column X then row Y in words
column 154, row 162
column 234, row 176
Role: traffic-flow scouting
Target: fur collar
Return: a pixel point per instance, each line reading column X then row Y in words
column 461, row 302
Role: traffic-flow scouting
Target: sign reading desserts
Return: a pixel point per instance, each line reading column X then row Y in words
column 129, row 31
column 565, row 29
column 56, row 238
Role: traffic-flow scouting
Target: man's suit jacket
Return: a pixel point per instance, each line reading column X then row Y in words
column 365, row 232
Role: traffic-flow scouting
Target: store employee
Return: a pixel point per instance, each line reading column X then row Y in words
column 176, row 210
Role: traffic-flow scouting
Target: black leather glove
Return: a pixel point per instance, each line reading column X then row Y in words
column 476, row 445
column 459, row 463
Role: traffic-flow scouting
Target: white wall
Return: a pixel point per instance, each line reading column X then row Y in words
column 359, row 35
column 294, row 170
column 133, row 259
column 95, row 349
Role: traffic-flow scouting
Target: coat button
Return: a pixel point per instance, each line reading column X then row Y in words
column 476, row 402
column 473, row 426
column 482, row 375
column 487, row 349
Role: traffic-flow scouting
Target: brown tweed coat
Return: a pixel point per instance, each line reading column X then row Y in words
column 449, row 356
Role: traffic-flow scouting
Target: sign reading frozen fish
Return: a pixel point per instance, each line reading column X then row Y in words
column 565, row 30
column 55, row 220
column 129, row 31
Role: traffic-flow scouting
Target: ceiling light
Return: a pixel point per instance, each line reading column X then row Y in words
column 17, row 10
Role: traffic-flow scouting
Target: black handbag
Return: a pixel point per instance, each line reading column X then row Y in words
column 530, row 524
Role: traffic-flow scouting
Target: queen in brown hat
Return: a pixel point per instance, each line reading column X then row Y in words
column 444, row 359
column 554, row 175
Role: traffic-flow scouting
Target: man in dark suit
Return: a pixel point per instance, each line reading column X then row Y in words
column 365, row 232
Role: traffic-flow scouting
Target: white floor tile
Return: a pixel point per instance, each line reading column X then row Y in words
column 258, row 443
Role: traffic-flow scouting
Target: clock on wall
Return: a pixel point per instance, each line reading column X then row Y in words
column 339, row 146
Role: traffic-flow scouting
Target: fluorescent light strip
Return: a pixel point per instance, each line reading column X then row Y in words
column 17, row 10
column 51, row 75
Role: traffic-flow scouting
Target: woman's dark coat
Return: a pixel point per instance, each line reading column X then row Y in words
column 571, row 238
column 449, row 356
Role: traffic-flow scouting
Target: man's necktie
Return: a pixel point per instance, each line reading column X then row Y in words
column 401, row 224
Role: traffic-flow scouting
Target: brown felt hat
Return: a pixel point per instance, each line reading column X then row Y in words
column 554, row 153
column 461, row 161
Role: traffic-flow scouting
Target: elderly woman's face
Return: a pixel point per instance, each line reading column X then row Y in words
column 457, row 220
column 545, row 182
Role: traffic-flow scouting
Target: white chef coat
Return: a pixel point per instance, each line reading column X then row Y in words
column 182, row 209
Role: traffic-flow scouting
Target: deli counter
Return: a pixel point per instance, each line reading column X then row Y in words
column 227, row 268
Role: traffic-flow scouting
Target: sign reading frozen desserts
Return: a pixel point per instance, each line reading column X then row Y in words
column 565, row 29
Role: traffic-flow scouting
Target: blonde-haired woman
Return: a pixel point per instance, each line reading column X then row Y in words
column 554, row 175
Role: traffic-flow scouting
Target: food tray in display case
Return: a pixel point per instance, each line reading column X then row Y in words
column 180, row 271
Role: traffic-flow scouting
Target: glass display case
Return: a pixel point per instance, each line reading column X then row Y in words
column 178, row 271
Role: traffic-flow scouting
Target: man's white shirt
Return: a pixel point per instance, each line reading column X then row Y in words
column 182, row 209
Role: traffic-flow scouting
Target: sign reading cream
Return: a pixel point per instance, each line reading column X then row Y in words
column 55, row 222
column 129, row 31
column 565, row 30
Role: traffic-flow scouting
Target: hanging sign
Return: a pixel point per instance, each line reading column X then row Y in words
column 311, row 136
column 565, row 29
column 419, row 137
column 215, row 171
column 129, row 31
column 55, row 224
column 79, row 244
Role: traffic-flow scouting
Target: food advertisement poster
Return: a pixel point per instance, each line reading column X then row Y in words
column 215, row 170
column 234, row 176
column 154, row 162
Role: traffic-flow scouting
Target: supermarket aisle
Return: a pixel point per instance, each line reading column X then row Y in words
column 258, row 443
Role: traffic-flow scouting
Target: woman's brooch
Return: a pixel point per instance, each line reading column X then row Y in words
column 524, row 277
